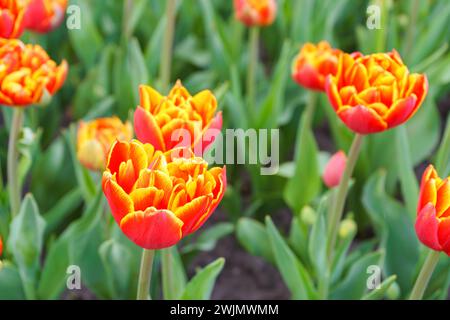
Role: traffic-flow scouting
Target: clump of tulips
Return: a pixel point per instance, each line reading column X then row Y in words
column 148, row 187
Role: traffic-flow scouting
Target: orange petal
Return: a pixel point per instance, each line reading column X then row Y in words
column 192, row 211
column 119, row 153
column 309, row 77
column 147, row 130
column 443, row 198
column 144, row 198
column 209, row 134
column 444, row 235
column 332, row 93
column 152, row 229
column 428, row 194
column 361, row 119
column 400, row 111
column 149, row 97
column 427, row 227
column 118, row 200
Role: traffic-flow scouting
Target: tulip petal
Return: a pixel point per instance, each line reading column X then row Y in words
column 362, row 119
column 444, row 235
column 220, row 175
column 308, row 77
column 443, row 197
column 400, row 111
column 144, row 198
column 152, row 229
column 119, row 153
column 149, row 98
column 427, row 227
column 428, row 194
column 147, row 130
column 119, row 202
column 190, row 212
column 332, row 93
column 209, row 134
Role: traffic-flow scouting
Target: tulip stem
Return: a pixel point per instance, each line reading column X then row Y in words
column 309, row 110
column 252, row 64
column 167, row 273
column 424, row 276
column 166, row 53
column 13, row 155
column 341, row 195
column 145, row 275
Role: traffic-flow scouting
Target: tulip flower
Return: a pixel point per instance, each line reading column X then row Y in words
column 26, row 73
column 334, row 169
column 1, row 246
column 314, row 63
column 376, row 92
column 255, row 12
column 157, row 198
column 12, row 18
column 178, row 120
column 96, row 137
column 45, row 15
column 433, row 211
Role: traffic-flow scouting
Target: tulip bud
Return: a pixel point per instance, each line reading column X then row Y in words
column 1, row 246
column 347, row 228
column 308, row 216
column 255, row 12
column 393, row 292
column 334, row 169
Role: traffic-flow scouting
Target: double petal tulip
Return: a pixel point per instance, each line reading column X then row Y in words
column 433, row 219
column 314, row 63
column 45, row 15
column 178, row 120
column 376, row 92
column 255, row 12
column 12, row 18
column 157, row 198
column 27, row 73
column 334, row 169
column 96, row 137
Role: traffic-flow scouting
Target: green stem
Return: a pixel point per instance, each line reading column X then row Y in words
column 166, row 53
column 167, row 272
column 13, row 159
column 341, row 195
column 309, row 109
column 425, row 275
column 382, row 33
column 145, row 275
column 127, row 10
column 443, row 155
column 411, row 29
column 252, row 64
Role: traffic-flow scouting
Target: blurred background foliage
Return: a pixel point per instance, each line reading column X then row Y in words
column 118, row 47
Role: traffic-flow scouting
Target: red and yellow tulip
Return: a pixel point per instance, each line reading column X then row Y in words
column 12, row 18
column 314, row 63
column 178, row 120
column 45, row 15
column 433, row 218
column 26, row 73
column 334, row 169
column 376, row 92
column 255, row 12
column 157, row 198
column 96, row 137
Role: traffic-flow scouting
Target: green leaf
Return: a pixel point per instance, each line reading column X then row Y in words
column 85, row 181
column 26, row 240
column 207, row 240
column 395, row 229
column 292, row 270
column 252, row 235
column 116, row 256
column 173, row 275
column 354, row 283
column 379, row 293
column 408, row 181
column 443, row 154
column 71, row 248
column 297, row 193
column 87, row 41
column 201, row 285
column 62, row 209
column 10, row 283
column 317, row 243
